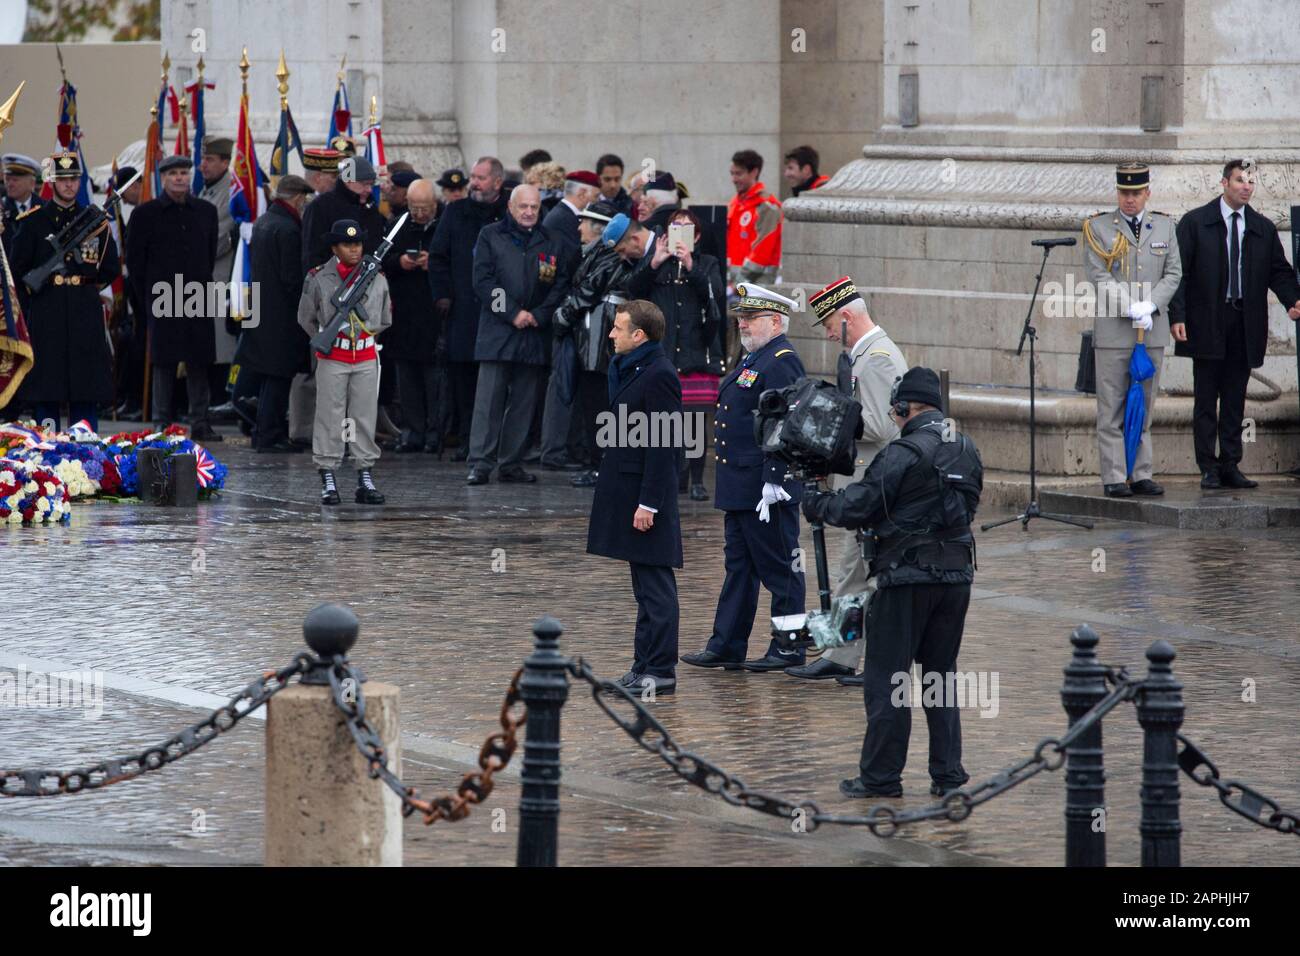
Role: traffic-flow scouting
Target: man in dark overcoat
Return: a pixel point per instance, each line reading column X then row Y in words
column 175, row 236
column 634, row 512
column 412, row 340
column 451, row 277
column 274, row 348
column 1232, row 256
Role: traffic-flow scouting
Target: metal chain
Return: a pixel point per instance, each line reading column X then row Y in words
column 1251, row 804
column 48, row 783
column 882, row 821
column 474, row 787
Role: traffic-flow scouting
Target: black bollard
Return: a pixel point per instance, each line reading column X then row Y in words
column 1085, row 777
column 1160, row 712
column 329, row 630
column 543, row 688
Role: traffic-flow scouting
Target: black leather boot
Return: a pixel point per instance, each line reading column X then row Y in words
column 329, row 492
column 367, row 493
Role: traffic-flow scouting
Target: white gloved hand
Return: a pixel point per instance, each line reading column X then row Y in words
column 1142, row 322
column 772, row 495
column 1138, row 309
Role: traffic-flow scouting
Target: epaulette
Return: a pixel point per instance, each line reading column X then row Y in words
column 885, row 352
column 23, row 215
column 313, row 270
column 783, row 352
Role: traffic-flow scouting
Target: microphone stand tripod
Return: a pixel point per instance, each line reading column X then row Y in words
column 1032, row 510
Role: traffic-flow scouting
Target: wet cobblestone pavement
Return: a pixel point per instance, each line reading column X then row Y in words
column 187, row 604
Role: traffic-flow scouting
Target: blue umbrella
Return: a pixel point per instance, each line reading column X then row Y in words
column 1135, row 404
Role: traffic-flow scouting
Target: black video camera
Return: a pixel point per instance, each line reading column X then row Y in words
column 811, row 426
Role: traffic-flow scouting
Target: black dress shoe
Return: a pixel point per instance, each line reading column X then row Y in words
column 1233, row 478
column 406, row 447
column 699, row 493
column 764, row 664
column 854, row 787
column 460, row 454
column 710, row 659
column 584, row 479
column 1147, row 488
column 819, row 670
column 434, row 448
column 516, row 476
column 204, row 433
column 943, row 789
column 561, row 464
column 1210, row 479
column 1120, row 490
column 477, row 478
column 854, row 681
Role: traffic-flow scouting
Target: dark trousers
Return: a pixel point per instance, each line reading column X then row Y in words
column 196, row 385
column 919, row 622
column 463, row 379
column 49, row 412
column 657, row 614
column 593, row 398
column 503, row 411
column 1219, row 397
column 757, row 551
column 272, row 411
column 419, row 386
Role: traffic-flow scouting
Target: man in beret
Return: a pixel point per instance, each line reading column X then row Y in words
column 454, row 185
column 173, row 239
column 580, row 188
column 658, row 202
column 214, row 167
column 924, row 566
column 399, row 181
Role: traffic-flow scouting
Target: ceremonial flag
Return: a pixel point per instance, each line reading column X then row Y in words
column 375, row 153
column 69, row 140
column 117, row 229
column 182, row 136
column 195, row 90
column 247, row 202
column 150, row 182
column 340, row 114
column 286, row 141
column 16, row 357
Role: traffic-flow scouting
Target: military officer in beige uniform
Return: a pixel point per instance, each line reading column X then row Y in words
column 1131, row 257
column 877, row 365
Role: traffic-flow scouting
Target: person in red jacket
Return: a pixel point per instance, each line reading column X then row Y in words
column 753, row 224
column 800, row 170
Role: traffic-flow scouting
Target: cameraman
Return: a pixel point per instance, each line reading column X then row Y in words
column 919, row 495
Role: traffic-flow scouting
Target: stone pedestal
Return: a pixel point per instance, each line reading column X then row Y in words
column 322, row 807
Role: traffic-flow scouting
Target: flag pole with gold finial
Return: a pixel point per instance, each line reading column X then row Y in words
column 15, row 344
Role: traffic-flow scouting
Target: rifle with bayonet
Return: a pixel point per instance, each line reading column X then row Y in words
column 351, row 296
column 89, row 222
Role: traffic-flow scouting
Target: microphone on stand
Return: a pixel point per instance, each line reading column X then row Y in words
column 1051, row 243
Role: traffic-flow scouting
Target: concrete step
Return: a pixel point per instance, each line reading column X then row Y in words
column 1274, row 504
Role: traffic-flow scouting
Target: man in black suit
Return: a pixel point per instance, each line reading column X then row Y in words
column 1231, row 257
column 634, row 514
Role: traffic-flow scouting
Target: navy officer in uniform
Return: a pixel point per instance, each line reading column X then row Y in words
column 759, row 500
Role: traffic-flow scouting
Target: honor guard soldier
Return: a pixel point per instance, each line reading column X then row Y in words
column 1133, row 264
column 876, row 365
column 347, row 378
column 917, row 499
column 759, row 501
column 73, row 364
column 20, row 193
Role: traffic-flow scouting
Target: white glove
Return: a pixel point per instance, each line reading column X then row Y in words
column 772, row 495
column 1141, row 310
